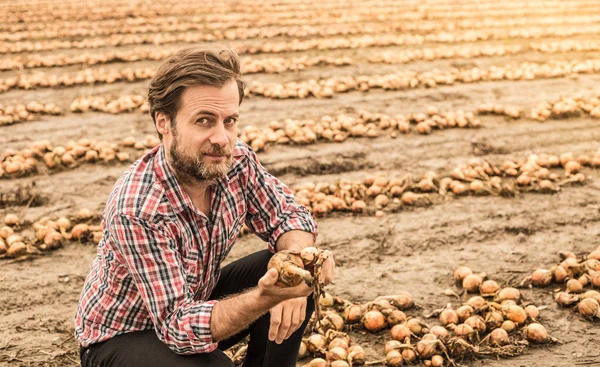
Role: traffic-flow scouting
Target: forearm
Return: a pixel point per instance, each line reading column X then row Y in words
column 234, row 314
column 295, row 240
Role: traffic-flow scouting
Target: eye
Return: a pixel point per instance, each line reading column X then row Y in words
column 230, row 121
column 202, row 121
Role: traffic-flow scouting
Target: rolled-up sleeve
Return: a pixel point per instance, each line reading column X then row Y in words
column 155, row 265
column 272, row 210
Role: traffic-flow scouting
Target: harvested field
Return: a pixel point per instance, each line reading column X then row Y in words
column 436, row 64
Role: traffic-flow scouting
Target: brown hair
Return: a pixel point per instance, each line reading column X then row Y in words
column 202, row 65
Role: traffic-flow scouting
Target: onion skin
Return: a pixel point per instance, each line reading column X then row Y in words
column 437, row 361
column 461, row 273
column 509, row 326
column 393, row 359
column 476, row 302
column 392, row 345
column 439, row 331
column 448, row 316
column 592, row 294
column 339, row 363
column 536, row 333
column 541, row 278
column 509, row 293
column 499, row 337
column 352, row 314
column 464, row 312
column 400, row 332
column 489, row 287
column 566, row 299
column 373, row 321
column 317, row 362
column 472, row 282
column 515, row 314
column 356, row 355
column 532, row 311
column 560, row 274
column 574, row 286
column 588, row 307
column 290, row 267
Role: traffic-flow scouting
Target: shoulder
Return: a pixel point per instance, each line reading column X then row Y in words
column 137, row 193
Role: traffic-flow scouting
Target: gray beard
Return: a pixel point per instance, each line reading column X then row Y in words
column 192, row 169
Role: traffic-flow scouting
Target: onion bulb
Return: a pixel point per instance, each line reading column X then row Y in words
column 373, row 320
column 317, row 362
column 352, row 314
column 461, row 273
column 393, row 359
column 509, row 293
column 574, row 286
column 541, row 277
column 499, row 337
column 338, row 342
column 337, row 353
column 290, row 267
column 316, row 343
column 356, row 355
column 494, row 319
column 400, row 332
column 11, row 220
column 515, row 313
column 588, row 307
column 464, row 312
column 437, row 361
column 448, row 316
column 477, row 323
column 476, row 302
column 535, row 333
column 489, row 288
column 592, row 294
column 339, row 363
column 566, row 299
column 472, row 282
column 392, row 345
column 532, row 311
column 509, row 326
column 439, row 331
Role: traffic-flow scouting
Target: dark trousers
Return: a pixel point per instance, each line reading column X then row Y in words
column 143, row 348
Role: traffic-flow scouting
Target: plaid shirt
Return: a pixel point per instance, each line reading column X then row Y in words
column 160, row 257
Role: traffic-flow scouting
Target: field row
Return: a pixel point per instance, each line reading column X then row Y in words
column 375, row 40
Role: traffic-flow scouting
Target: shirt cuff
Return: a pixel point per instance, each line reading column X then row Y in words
column 201, row 328
column 299, row 220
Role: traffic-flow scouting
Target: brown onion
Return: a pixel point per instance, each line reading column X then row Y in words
column 477, row 323
column 461, row 273
column 393, row 316
column 472, row 282
column 448, row 316
column 476, row 302
column 560, row 274
column 338, row 342
column 428, row 348
column 566, row 299
column 574, row 286
column 535, row 333
column 393, row 359
column 588, row 307
column 392, row 345
column 337, row 353
column 463, row 331
column 11, row 220
column 416, row 326
column 515, row 313
column 595, row 277
column 509, row 293
column 356, row 355
column 437, row 361
column 409, row 355
column 532, row 311
column 541, row 277
column 499, row 337
column 489, row 287
column 352, row 314
column 373, row 320
column 316, row 343
column 439, row 331
column 317, row 362
column 509, row 326
column 494, row 319
column 16, row 249
column 339, row 363
column 592, row 294
column 400, row 332
column 464, row 312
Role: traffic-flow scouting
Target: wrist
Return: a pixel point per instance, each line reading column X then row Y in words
column 264, row 300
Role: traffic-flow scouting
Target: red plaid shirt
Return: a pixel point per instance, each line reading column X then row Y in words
column 160, row 257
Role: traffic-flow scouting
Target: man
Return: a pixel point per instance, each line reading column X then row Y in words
column 156, row 294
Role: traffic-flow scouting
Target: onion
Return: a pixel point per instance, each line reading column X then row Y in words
column 428, row 348
column 409, row 355
column 566, row 299
column 499, row 337
column 402, row 300
column 6, row 231
column 437, row 361
column 356, row 355
column 359, row 206
column 3, row 246
column 79, row 231
column 461, row 273
column 12, row 220
column 488, row 288
column 303, row 350
column 560, row 274
column 439, row 331
column 13, row 238
column 541, row 277
column 588, row 307
column 64, row 224
column 393, row 317
column 463, row 331
column 448, row 316
column 317, row 362
column 373, row 320
column 477, row 323
column 535, row 333
column 290, row 267
column 509, row 326
column 392, row 345
column 472, row 282
column 464, row 312
column 574, row 286
column 316, row 343
column 352, row 314
column 338, row 342
column 509, row 293
column 337, row 353
column 532, row 311
column 476, row 302
column 416, row 326
column 595, row 255
column 339, row 363
column 16, row 249
column 400, row 332
column 332, row 321
column 494, row 319
column 515, row 313
column 393, row 359
column 592, row 294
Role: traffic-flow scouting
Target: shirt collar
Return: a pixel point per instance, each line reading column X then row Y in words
column 175, row 194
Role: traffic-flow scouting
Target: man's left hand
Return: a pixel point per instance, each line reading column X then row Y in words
column 286, row 318
column 328, row 268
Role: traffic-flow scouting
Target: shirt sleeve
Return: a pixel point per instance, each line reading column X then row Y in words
column 271, row 207
column 155, row 264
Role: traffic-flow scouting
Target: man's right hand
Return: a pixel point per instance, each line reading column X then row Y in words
column 268, row 289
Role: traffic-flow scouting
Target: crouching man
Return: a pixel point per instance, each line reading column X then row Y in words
column 156, row 294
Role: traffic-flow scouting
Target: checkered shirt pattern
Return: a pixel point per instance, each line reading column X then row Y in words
column 159, row 258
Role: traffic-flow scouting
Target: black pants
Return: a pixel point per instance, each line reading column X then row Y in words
column 143, row 348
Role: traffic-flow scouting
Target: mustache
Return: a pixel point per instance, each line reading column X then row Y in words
column 217, row 150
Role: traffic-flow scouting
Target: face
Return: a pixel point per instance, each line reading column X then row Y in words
column 200, row 146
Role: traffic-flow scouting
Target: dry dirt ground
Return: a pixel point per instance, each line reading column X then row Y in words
column 414, row 250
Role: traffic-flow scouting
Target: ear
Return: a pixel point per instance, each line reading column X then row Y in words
column 163, row 123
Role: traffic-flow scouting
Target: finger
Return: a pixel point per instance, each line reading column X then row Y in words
column 302, row 313
column 286, row 321
column 270, row 278
column 276, row 314
column 294, row 324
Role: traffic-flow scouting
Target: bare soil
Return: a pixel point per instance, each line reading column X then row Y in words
column 414, row 250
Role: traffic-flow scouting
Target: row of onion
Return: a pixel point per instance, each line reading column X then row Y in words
column 12, row 114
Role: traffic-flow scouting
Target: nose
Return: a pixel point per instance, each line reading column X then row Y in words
column 219, row 135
